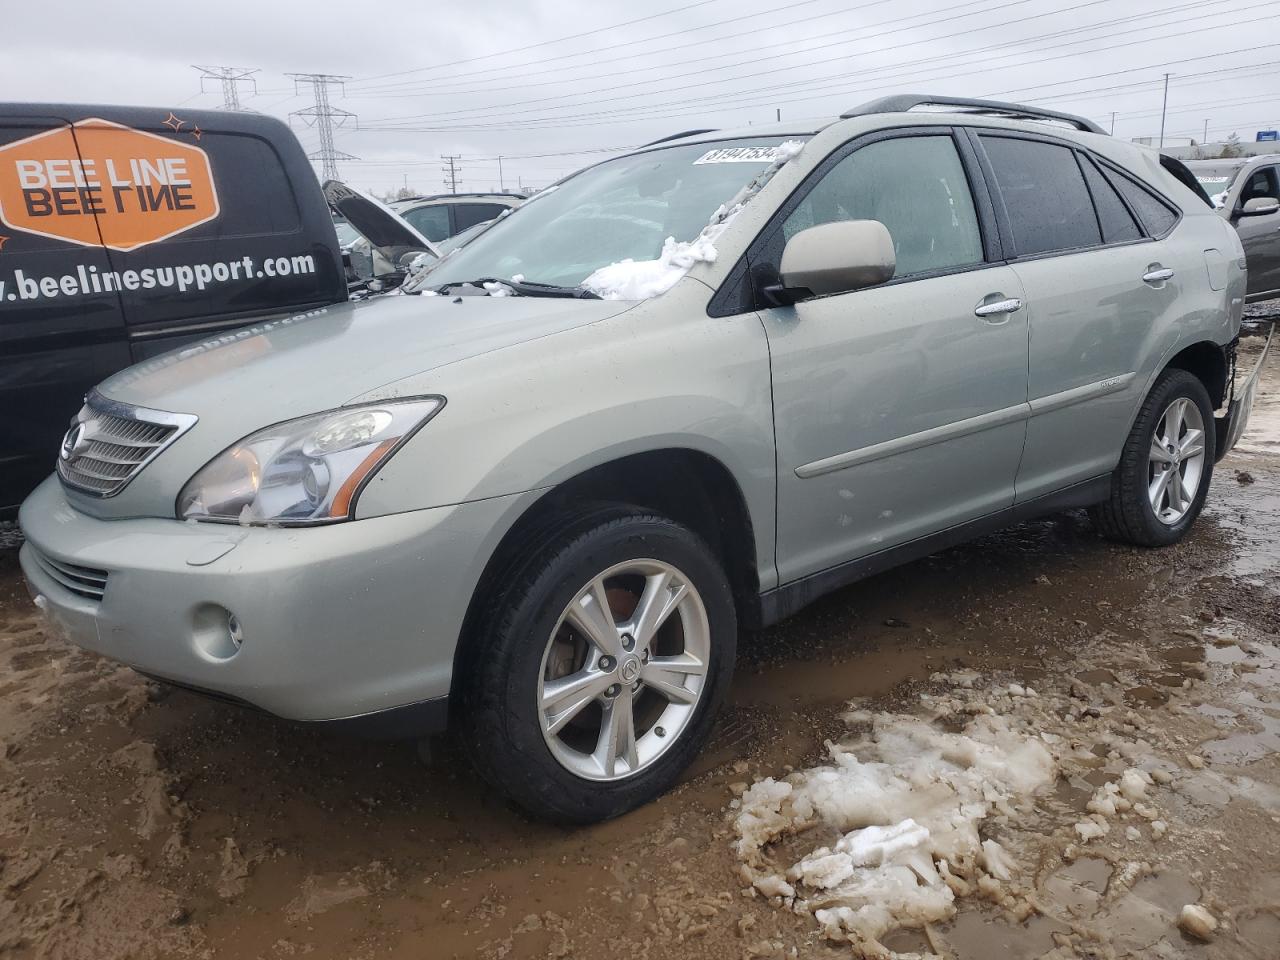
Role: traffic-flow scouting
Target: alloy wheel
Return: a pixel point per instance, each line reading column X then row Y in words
column 1176, row 461
column 624, row 670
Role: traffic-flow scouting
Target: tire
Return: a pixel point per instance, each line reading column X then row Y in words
column 530, row 640
column 1129, row 515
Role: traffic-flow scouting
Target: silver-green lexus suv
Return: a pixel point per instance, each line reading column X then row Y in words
column 538, row 492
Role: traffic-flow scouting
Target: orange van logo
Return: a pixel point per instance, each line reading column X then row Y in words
column 101, row 182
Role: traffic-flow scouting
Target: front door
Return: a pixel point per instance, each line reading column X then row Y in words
column 899, row 410
column 1260, row 235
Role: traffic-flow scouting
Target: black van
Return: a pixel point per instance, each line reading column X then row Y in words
column 126, row 231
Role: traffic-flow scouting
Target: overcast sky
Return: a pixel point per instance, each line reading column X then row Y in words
column 536, row 80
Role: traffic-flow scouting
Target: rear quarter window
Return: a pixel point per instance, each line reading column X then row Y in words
column 1156, row 213
column 1114, row 217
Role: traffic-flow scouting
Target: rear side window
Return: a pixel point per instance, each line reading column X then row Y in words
column 1156, row 215
column 469, row 214
column 915, row 186
column 431, row 222
column 1114, row 217
column 1044, row 194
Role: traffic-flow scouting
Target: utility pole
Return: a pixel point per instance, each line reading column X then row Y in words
column 230, row 78
column 322, row 116
column 1164, row 108
column 451, row 171
column 502, row 185
column 1205, row 139
column 779, row 110
column 1113, row 123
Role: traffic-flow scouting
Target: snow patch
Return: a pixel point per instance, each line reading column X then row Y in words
column 909, row 800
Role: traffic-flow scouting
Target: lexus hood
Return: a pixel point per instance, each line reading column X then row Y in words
column 273, row 371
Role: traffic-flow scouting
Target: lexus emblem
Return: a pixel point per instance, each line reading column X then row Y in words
column 74, row 442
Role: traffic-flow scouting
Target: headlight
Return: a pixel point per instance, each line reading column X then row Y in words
column 303, row 471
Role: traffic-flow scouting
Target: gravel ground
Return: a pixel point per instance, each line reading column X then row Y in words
column 137, row 821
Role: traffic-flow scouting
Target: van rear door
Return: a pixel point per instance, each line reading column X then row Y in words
column 60, row 331
column 223, row 223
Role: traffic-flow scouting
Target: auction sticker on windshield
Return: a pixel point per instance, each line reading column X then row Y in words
column 739, row 155
column 97, row 182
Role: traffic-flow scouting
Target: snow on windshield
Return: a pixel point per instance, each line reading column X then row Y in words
column 642, row 279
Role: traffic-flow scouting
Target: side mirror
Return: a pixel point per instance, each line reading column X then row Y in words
column 837, row 258
column 1259, row 207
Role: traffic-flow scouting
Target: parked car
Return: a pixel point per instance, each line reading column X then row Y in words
column 1246, row 191
column 440, row 217
column 539, row 500
column 384, row 243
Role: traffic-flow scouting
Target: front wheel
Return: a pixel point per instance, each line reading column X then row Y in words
column 597, row 676
column 1160, row 486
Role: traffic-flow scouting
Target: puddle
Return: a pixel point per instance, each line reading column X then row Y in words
column 978, row 935
column 1079, row 886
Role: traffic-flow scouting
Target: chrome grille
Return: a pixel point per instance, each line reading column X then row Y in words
column 86, row 582
column 109, row 443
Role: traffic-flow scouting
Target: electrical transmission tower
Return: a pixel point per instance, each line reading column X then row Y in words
column 230, row 78
column 451, row 171
column 324, row 117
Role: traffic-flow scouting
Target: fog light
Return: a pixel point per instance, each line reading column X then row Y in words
column 234, row 631
column 216, row 631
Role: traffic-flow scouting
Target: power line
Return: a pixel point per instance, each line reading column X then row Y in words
column 839, row 79
column 701, row 43
column 322, row 115
column 542, row 43
column 230, row 78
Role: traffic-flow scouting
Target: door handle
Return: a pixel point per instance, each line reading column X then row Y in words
column 1157, row 275
column 998, row 307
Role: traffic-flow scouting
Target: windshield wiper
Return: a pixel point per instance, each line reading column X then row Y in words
column 523, row 288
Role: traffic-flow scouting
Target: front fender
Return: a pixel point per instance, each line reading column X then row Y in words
column 663, row 375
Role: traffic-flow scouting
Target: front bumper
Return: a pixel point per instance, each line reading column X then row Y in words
column 337, row 622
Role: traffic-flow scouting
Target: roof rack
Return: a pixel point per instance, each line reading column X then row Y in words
column 902, row 103
column 677, row 136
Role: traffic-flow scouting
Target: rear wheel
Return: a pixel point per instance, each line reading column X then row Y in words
column 1163, row 478
column 598, row 673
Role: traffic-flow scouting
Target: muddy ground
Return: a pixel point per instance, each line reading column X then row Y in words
column 137, row 821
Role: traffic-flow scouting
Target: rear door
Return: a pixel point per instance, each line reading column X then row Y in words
column 1081, row 251
column 1260, row 235
column 899, row 409
column 60, row 331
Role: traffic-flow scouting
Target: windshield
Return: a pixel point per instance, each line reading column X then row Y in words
column 1215, row 178
column 622, row 209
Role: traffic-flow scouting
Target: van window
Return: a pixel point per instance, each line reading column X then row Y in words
column 1044, row 195
column 1156, row 215
column 469, row 214
column 915, row 186
column 255, row 196
column 1117, row 223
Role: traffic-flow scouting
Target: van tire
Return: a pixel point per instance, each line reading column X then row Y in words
column 501, row 720
column 1128, row 515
